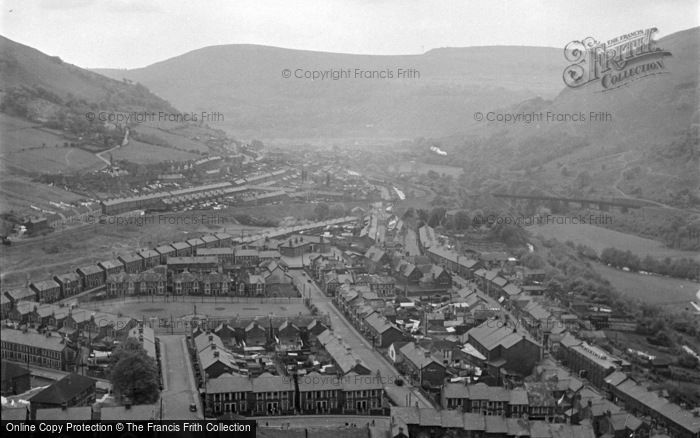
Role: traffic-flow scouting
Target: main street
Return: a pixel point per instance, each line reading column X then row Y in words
column 404, row 395
column 179, row 387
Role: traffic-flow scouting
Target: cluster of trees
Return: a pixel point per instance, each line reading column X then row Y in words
column 324, row 211
column 134, row 373
column 680, row 268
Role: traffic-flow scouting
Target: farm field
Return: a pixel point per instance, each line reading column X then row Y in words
column 672, row 293
column 17, row 193
column 55, row 253
column 600, row 238
column 177, row 141
column 22, row 149
column 144, row 153
column 405, row 167
column 52, row 160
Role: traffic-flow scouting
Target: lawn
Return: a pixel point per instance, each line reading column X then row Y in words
column 600, row 238
column 177, row 141
column 27, row 147
column 144, row 153
column 18, row 193
column 662, row 291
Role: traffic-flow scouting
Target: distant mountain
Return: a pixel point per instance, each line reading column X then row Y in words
column 646, row 146
column 38, row 86
column 245, row 83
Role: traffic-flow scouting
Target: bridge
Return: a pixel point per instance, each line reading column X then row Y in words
column 601, row 204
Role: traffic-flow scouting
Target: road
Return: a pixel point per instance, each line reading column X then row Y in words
column 322, row 421
column 374, row 360
column 179, row 388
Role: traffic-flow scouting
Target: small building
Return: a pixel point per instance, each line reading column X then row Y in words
column 133, row 263
column 224, row 254
column 210, row 241
column 16, row 378
column 362, row 394
column 150, row 258
column 273, row 395
column 246, row 257
column 69, row 284
column 255, row 334
column 91, row 276
column 111, row 267
column 163, row 252
column 319, row 394
column 228, row 394
column 191, row 264
column 288, row 333
column 381, row 331
column 64, row 413
column 182, row 249
column 422, row 365
column 47, row 291
column 72, row 390
column 20, row 294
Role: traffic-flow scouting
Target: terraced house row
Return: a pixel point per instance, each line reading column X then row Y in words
column 311, row 394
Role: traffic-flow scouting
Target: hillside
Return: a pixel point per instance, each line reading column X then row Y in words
column 42, row 85
column 648, row 148
column 45, row 134
column 245, row 83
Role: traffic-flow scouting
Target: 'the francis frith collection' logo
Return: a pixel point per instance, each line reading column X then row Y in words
column 616, row 62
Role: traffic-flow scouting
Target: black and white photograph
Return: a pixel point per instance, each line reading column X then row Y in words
column 350, row 218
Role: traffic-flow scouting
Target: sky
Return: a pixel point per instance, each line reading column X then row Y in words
column 137, row 33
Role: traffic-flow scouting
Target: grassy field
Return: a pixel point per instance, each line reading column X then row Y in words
column 22, row 149
column 138, row 152
column 600, row 238
column 18, row 193
column 406, row 167
column 177, row 141
column 663, row 291
column 64, row 251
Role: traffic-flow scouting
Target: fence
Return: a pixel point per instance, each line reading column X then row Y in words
column 195, row 299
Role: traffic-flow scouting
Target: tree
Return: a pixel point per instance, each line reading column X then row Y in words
column 322, row 210
column 687, row 361
column 134, row 373
column 462, row 220
column 131, row 345
column 437, row 214
column 532, row 261
column 337, row 210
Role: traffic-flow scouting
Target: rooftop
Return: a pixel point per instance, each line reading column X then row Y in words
column 64, row 390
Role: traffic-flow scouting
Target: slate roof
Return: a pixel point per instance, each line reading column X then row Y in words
column 416, row 355
column 60, row 414
column 266, row 382
column 64, row 390
column 53, row 342
column 491, row 334
column 227, row 383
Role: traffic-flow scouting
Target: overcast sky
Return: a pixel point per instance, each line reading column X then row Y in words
column 136, row 33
